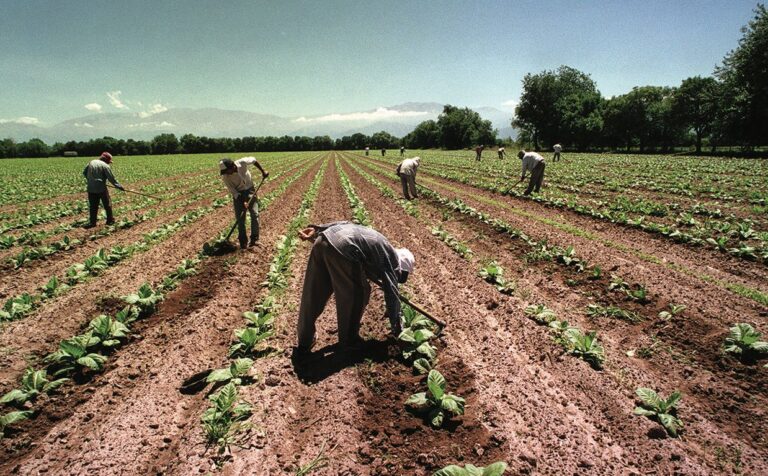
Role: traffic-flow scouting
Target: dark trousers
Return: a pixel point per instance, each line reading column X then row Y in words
column 409, row 186
column 329, row 272
column 253, row 211
column 557, row 157
column 93, row 206
column 537, row 177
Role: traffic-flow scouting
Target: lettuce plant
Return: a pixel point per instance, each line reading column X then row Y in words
column 33, row 383
column 73, row 355
column 662, row 410
column 436, row 401
column 494, row 469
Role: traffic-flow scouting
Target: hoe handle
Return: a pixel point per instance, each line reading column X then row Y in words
column 429, row 316
column 138, row 193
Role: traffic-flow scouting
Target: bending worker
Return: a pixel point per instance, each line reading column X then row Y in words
column 502, row 154
column 343, row 258
column 98, row 172
column 533, row 163
column 407, row 173
column 238, row 180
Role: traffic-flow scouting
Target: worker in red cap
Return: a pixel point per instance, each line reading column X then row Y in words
column 98, row 172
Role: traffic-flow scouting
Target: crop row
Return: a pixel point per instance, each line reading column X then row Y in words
column 226, row 417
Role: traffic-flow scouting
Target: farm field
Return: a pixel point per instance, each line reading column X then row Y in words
column 627, row 272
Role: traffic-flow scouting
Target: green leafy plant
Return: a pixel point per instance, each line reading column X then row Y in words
column 744, row 341
column 73, row 355
column 584, row 346
column 674, row 309
column 53, row 288
column 224, row 419
column 10, row 418
column 540, row 313
column 145, row 299
column 653, row 406
column 108, row 331
column 237, row 371
column 494, row 274
column 618, row 284
column 17, row 307
column 596, row 273
column 417, row 344
column 598, row 310
column 494, row 469
column 127, row 314
column 246, row 341
column 33, row 383
column 436, row 401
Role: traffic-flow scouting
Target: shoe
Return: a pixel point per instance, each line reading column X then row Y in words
column 253, row 243
column 110, row 222
column 243, row 246
column 89, row 225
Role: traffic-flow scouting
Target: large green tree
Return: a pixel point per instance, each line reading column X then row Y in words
column 462, row 127
column 744, row 74
column 426, row 135
column 165, row 144
column 642, row 117
column 695, row 106
column 562, row 106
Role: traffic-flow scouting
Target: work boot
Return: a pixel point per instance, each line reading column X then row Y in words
column 243, row 245
column 110, row 222
column 253, row 242
column 89, row 225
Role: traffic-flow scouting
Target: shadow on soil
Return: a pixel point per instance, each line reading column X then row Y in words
column 316, row 366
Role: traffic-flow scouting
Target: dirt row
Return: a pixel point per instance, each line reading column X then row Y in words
column 724, row 398
column 132, row 418
column 34, row 335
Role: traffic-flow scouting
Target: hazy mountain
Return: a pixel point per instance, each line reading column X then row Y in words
column 397, row 120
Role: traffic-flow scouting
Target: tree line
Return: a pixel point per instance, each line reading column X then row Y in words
column 728, row 108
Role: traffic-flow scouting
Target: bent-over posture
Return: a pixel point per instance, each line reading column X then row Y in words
column 557, row 148
column 238, row 180
column 343, row 258
column 407, row 173
column 533, row 163
column 502, row 154
column 98, row 173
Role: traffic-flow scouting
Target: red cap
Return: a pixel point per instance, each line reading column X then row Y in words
column 106, row 157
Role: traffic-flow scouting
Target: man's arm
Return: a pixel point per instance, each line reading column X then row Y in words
column 392, row 302
column 311, row 232
column 112, row 180
column 85, row 171
column 253, row 161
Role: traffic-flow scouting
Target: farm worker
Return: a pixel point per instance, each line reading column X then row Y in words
column 402, row 151
column 97, row 173
column 366, row 151
column 557, row 148
column 383, row 151
column 501, row 153
column 479, row 151
column 533, row 163
column 343, row 258
column 407, row 173
column 238, row 180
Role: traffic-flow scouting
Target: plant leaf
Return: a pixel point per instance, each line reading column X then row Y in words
column 436, row 384
column 417, row 399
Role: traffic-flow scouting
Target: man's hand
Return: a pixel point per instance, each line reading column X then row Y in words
column 264, row 174
column 120, row 187
column 307, row 234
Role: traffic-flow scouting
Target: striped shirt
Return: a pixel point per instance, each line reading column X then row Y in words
column 370, row 248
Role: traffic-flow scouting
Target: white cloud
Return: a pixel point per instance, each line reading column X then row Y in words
column 114, row 99
column 152, row 124
column 30, row 121
column 84, row 124
column 166, row 124
column 153, row 109
column 511, row 104
column 380, row 113
column 94, row 106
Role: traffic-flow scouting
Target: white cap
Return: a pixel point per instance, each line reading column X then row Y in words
column 405, row 259
column 222, row 165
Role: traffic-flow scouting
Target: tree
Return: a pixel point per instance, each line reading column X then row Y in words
column 643, row 116
column 426, row 135
column 384, row 139
column 33, row 148
column 562, row 106
column 461, row 128
column 695, row 106
column 744, row 74
column 165, row 144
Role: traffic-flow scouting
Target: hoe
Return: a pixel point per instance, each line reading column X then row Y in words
column 138, row 193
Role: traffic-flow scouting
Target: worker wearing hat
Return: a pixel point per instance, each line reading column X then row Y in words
column 98, row 173
column 343, row 258
column 406, row 170
column 238, row 180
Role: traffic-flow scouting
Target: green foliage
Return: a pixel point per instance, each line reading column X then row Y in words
column 33, row 383
column 108, row 331
column 662, row 410
column 417, row 344
column 494, row 469
column 674, row 309
column 145, row 299
column 224, row 419
column 73, row 355
column 584, row 346
column 540, row 313
column 17, row 307
column 598, row 310
column 436, row 401
column 460, row 248
column 10, row 418
column 494, row 274
column 237, row 371
column 744, row 341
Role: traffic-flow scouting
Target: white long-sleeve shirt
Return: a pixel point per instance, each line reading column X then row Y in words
column 241, row 180
column 557, row 148
column 409, row 166
column 530, row 160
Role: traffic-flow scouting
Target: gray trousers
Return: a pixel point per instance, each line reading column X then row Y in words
column 329, row 272
column 537, row 177
column 253, row 211
column 409, row 186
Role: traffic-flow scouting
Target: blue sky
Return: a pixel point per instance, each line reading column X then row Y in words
column 66, row 59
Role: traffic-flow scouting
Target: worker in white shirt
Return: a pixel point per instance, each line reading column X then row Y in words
column 406, row 170
column 557, row 148
column 238, row 180
column 502, row 154
column 533, row 163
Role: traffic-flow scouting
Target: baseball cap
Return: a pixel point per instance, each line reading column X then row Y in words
column 405, row 260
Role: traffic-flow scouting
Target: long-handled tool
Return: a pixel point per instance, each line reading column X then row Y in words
column 137, row 193
column 429, row 316
column 242, row 215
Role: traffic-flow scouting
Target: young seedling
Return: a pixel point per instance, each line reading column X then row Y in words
column 224, row 419
column 11, row 418
column 585, row 346
column 743, row 342
column 246, row 341
column 145, row 299
column 494, row 469
column 436, row 401
column 417, row 344
column 237, row 371
column 494, row 274
column 540, row 313
column 662, row 410
column 108, row 331
column 73, row 355
column 674, row 309
column 33, row 383
column 597, row 310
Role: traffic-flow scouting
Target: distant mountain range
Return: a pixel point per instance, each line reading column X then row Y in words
column 397, row 120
